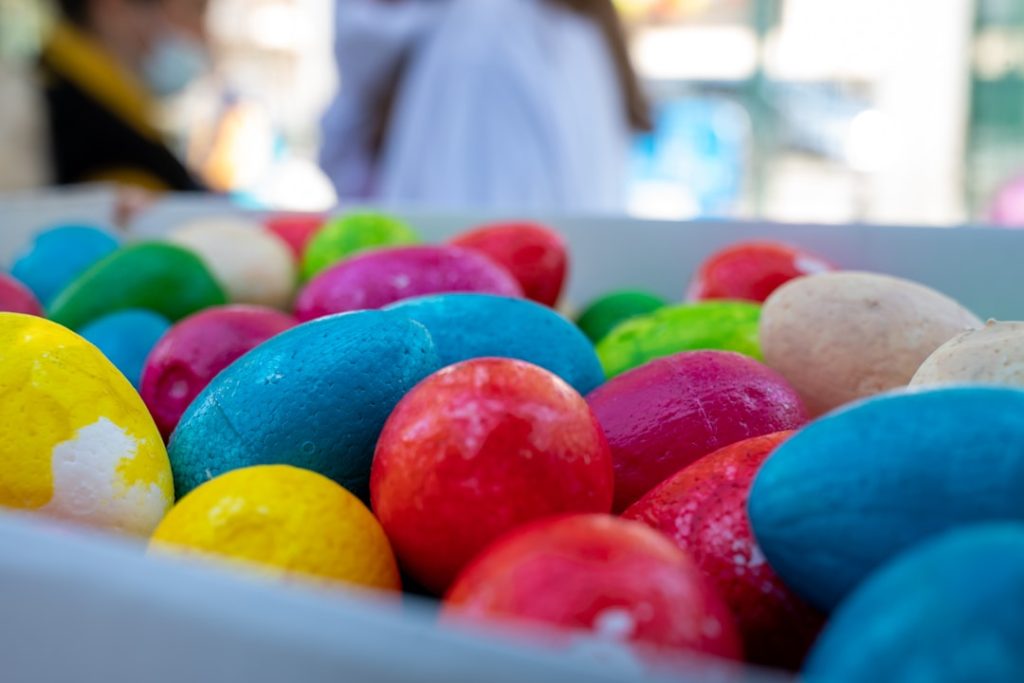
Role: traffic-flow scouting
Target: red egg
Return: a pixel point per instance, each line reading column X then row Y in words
column 703, row 510
column 192, row 352
column 673, row 411
column 17, row 298
column 384, row 276
column 535, row 255
column 616, row 579
column 296, row 230
column 751, row 271
column 477, row 450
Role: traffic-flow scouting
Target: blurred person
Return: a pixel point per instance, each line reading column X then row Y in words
column 100, row 68
column 499, row 104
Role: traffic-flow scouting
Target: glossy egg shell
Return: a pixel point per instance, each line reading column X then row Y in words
column 466, row 326
column 991, row 355
column 126, row 338
column 751, row 271
column 477, row 450
column 162, row 278
column 345, row 236
column 195, row 350
column 385, row 276
column 711, row 325
column 611, row 577
column 673, row 411
column 855, row 488
column 76, row 442
column 945, row 611
column 315, row 397
column 17, row 298
column 535, row 255
column 57, row 257
column 603, row 315
column 703, row 510
column 296, row 230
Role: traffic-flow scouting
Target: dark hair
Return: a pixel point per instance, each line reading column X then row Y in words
column 75, row 11
column 604, row 13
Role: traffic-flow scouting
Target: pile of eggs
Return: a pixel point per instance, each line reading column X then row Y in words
column 799, row 467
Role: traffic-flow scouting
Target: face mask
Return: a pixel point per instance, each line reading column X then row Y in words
column 175, row 62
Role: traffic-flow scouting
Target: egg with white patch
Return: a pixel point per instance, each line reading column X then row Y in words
column 76, row 441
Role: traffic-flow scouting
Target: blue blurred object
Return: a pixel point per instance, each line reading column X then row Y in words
column 126, row 338
column 57, row 257
column 699, row 146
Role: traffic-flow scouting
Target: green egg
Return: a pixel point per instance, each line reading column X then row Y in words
column 162, row 278
column 603, row 315
column 342, row 237
column 712, row 325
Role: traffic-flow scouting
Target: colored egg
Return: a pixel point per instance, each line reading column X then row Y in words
column 703, row 510
column 855, row 488
column 252, row 265
column 603, row 315
column 286, row 522
column 751, row 271
column 57, row 257
column 343, row 237
column 992, row 355
column 945, row 611
column 384, row 276
column 673, row 411
column 315, row 397
column 76, row 441
column 194, row 351
column 162, row 278
column 839, row 337
column 126, row 338
column 17, row 298
column 476, row 450
column 466, row 326
column 615, row 579
column 716, row 325
column 535, row 255
column 296, row 230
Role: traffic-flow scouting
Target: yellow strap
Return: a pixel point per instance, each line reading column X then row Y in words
column 82, row 61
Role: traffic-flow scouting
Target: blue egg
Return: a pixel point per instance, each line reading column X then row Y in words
column 466, row 326
column 850, row 491
column 947, row 611
column 126, row 338
column 56, row 258
column 315, row 397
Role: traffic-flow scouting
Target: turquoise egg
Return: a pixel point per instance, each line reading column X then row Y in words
column 56, row 257
column 126, row 338
column 947, row 611
column 466, row 326
column 315, row 397
column 857, row 487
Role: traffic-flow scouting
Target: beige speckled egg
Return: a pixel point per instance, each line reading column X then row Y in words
column 991, row 355
column 839, row 337
column 254, row 266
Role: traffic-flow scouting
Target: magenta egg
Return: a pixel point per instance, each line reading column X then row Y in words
column 384, row 276
column 192, row 352
column 17, row 298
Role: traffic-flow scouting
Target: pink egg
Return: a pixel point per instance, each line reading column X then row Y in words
column 17, row 298
column 192, row 352
column 673, row 411
column 384, row 276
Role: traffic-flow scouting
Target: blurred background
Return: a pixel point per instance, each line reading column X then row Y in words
column 792, row 110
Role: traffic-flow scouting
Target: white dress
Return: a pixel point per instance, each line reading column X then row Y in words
column 506, row 105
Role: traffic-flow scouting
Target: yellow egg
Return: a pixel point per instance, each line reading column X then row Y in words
column 76, row 441
column 285, row 522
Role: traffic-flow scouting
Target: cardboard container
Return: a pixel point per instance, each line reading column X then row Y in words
column 81, row 606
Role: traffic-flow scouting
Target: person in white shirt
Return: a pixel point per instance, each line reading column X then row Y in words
column 484, row 104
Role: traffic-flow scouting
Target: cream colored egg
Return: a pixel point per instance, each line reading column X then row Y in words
column 253, row 265
column 991, row 355
column 839, row 337
column 76, row 441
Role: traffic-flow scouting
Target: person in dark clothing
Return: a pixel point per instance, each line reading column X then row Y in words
column 93, row 72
